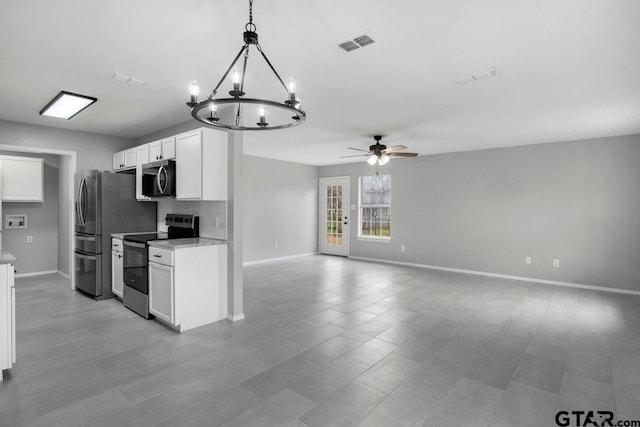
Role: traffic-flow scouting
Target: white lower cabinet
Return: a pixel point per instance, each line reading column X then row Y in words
column 117, row 279
column 161, row 294
column 188, row 285
column 7, row 318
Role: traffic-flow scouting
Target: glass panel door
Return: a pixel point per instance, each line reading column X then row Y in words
column 334, row 216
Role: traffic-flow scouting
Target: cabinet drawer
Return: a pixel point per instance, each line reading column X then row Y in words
column 160, row 256
column 116, row 245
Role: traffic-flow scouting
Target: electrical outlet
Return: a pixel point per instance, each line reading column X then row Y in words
column 275, row 245
column 402, row 248
column 528, row 260
column 556, row 262
column 29, row 239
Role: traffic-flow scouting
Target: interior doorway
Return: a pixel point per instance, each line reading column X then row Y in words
column 333, row 238
column 67, row 166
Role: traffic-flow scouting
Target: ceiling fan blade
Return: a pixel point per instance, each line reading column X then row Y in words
column 356, row 155
column 395, row 148
column 402, row 154
column 358, row 149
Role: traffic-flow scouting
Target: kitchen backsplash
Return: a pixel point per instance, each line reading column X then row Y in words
column 208, row 211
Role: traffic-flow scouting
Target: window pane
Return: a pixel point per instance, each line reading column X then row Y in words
column 377, row 183
column 366, row 183
column 377, row 199
column 385, row 214
column 385, row 229
column 365, row 228
column 386, row 198
column 366, row 198
column 375, row 213
column 386, row 182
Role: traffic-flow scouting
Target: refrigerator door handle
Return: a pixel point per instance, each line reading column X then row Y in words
column 134, row 244
column 84, row 201
column 79, row 203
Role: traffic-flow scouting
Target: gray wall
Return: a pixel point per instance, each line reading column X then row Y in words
column 94, row 151
column 487, row 210
column 280, row 205
column 42, row 223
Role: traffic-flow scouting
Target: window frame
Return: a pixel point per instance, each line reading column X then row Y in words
column 382, row 239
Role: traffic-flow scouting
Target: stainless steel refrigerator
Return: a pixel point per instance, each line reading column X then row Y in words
column 105, row 204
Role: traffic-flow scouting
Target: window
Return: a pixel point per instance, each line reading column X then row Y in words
column 375, row 207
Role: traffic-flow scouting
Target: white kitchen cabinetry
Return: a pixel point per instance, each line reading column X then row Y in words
column 117, row 280
column 142, row 157
column 125, row 159
column 22, row 179
column 201, row 165
column 162, row 150
column 188, row 285
column 7, row 318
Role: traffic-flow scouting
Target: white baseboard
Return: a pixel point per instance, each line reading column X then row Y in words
column 504, row 276
column 262, row 261
column 36, row 273
column 65, row 275
column 235, row 318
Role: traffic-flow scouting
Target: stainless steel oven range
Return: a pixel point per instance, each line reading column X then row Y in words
column 136, row 257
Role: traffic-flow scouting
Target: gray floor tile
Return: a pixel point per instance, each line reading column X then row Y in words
column 345, row 408
column 590, row 365
column 389, row 373
column 281, row 409
column 523, row 405
column 323, row 383
column 548, row 347
column 578, row 393
column 215, row 409
column 369, row 353
column 545, row 374
column 404, row 407
column 330, row 350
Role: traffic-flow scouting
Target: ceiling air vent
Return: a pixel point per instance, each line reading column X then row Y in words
column 363, row 40
column 355, row 43
column 348, row 46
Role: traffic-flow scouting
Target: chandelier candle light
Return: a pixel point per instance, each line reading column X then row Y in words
column 284, row 114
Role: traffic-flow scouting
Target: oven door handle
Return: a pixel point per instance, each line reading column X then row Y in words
column 134, row 244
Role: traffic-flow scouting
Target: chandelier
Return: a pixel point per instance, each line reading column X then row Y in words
column 245, row 110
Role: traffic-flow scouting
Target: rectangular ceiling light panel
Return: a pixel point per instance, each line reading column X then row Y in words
column 66, row 105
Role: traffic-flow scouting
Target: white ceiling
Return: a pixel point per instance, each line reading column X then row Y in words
column 568, row 69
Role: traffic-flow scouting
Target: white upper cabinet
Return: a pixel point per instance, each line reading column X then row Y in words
column 162, row 150
column 125, row 159
column 201, row 165
column 22, row 179
column 142, row 157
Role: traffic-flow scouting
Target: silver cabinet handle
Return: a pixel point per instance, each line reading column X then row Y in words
column 91, row 258
column 86, row 239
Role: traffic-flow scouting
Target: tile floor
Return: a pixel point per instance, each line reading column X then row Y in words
column 329, row 341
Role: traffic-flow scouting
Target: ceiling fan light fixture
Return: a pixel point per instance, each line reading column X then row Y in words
column 372, row 159
column 383, row 160
column 279, row 111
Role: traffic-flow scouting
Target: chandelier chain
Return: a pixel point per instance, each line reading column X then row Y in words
column 250, row 25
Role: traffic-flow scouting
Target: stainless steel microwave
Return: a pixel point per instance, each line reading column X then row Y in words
column 159, row 179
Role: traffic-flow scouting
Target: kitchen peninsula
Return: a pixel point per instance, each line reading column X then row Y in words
column 7, row 312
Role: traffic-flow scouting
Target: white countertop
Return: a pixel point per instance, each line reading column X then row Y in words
column 121, row 235
column 190, row 242
column 7, row 258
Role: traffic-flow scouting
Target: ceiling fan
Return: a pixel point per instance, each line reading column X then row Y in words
column 380, row 153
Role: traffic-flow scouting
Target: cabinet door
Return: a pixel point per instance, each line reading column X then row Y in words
column 142, row 157
column 155, row 151
column 118, row 160
column 161, row 293
column 116, row 273
column 189, row 166
column 22, row 179
column 130, row 158
column 169, row 148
